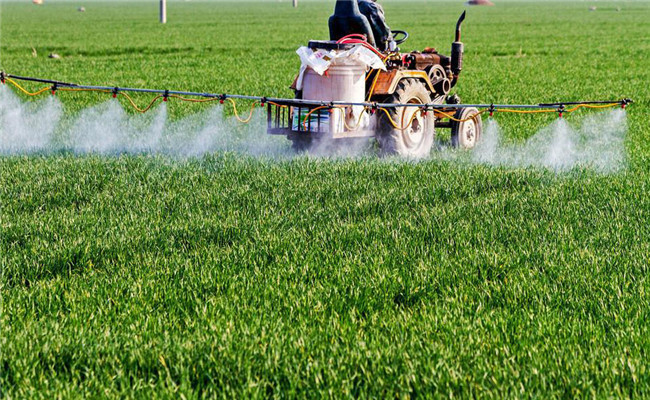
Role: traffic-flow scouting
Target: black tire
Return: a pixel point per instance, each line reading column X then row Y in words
column 466, row 134
column 417, row 139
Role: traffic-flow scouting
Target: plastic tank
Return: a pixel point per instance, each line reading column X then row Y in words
column 343, row 81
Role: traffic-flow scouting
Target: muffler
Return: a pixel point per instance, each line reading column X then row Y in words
column 457, row 50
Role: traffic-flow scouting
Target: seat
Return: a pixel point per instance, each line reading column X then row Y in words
column 347, row 19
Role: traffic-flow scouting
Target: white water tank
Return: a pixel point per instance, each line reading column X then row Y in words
column 345, row 80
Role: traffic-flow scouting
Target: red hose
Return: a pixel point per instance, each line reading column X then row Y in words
column 357, row 35
column 362, row 39
column 364, row 43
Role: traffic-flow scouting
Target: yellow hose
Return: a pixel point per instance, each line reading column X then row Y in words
column 394, row 124
column 25, row 91
column 451, row 117
column 372, row 87
column 193, row 100
column 234, row 108
column 144, row 110
column 345, row 122
column 304, row 121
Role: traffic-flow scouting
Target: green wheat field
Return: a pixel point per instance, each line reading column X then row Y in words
column 231, row 275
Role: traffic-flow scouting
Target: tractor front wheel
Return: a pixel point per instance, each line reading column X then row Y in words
column 468, row 129
column 407, row 131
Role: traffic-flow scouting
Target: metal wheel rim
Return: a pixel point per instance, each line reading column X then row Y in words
column 412, row 137
column 468, row 133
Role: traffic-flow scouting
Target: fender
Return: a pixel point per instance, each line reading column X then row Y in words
column 388, row 80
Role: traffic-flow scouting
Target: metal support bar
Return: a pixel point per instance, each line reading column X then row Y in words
column 25, row 78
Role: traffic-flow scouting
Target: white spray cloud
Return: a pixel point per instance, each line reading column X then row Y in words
column 42, row 126
column 348, row 148
column 107, row 128
column 597, row 143
column 28, row 127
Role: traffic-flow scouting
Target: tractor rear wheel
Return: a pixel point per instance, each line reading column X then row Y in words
column 414, row 134
column 466, row 132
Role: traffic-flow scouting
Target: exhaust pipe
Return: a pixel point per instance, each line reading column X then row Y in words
column 457, row 50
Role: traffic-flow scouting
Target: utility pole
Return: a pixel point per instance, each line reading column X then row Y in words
column 295, row 3
column 163, row 11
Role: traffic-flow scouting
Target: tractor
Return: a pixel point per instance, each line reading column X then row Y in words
column 369, row 95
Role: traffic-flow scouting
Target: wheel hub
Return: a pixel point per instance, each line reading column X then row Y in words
column 414, row 132
column 469, row 133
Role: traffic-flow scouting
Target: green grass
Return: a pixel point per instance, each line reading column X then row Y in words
column 230, row 276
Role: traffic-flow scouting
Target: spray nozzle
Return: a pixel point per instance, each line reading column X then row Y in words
column 625, row 103
column 262, row 101
column 373, row 109
column 222, row 98
column 166, row 95
column 560, row 110
column 54, row 88
column 491, row 110
column 3, row 76
column 424, row 111
column 115, row 91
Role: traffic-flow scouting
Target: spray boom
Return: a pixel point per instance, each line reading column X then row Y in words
column 311, row 104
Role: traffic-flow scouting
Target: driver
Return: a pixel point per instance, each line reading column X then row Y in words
column 374, row 12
